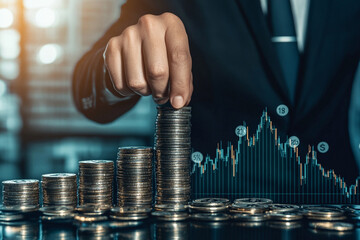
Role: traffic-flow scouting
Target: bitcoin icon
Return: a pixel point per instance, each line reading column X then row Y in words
column 323, row 147
column 197, row 157
column 282, row 110
column 240, row 131
column 294, row 141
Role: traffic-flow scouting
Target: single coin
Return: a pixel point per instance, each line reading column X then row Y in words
column 286, row 216
column 333, row 226
column 210, row 217
column 253, row 200
column 249, row 217
column 170, row 216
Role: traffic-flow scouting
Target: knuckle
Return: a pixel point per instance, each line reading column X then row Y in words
column 113, row 43
column 146, row 21
column 180, row 55
column 130, row 33
column 137, row 85
column 157, row 72
column 170, row 16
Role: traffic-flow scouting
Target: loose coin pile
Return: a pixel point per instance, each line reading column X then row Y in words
column 209, row 205
column 96, row 183
column 59, row 189
column 318, row 213
column 20, row 195
column 134, row 176
column 173, row 149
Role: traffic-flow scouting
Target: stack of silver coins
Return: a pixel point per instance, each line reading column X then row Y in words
column 173, row 149
column 59, row 189
column 134, row 176
column 96, row 183
column 21, row 194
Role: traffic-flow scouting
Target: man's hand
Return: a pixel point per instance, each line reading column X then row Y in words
column 152, row 57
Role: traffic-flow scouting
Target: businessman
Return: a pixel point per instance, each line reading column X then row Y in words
column 230, row 60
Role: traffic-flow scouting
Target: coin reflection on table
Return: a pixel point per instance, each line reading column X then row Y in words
column 172, row 230
column 21, row 230
column 58, row 232
column 93, row 231
column 134, row 233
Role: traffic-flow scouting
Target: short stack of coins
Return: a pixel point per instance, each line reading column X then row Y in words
column 21, row 194
column 134, row 176
column 173, row 149
column 96, row 183
column 59, row 189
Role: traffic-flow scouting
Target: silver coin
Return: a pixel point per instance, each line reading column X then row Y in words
column 210, row 202
column 332, row 226
column 209, row 209
column 286, row 225
column 281, row 208
column 171, row 207
column 128, row 209
column 248, row 208
column 129, row 216
column 10, row 216
column 84, row 218
column 170, row 216
column 253, row 201
column 211, row 217
column 249, row 217
column 286, row 216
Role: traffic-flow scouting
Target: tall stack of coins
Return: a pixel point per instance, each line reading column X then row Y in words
column 96, row 182
column 21, row 194
column 59, row 189
column 134, row 176
column 173, row 149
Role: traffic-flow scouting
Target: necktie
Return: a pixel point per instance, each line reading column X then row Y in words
column 282, row 28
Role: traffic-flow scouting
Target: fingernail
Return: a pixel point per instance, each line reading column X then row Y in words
column 177, row 102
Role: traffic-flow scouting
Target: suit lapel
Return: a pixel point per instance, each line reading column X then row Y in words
column 255, row 20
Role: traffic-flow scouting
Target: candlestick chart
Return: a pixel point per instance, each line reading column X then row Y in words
column 260, row 165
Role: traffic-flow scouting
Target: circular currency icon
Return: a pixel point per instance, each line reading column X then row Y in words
column 282, row 110
column 240, row 131
column 323, row 147
column 197, row 157
column 294, row 141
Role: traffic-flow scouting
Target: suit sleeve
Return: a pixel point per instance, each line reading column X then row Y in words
column 91, row 84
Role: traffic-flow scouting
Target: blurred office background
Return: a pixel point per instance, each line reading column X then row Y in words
column 40, row 129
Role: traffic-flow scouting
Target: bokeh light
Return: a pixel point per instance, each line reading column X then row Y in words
column 6, row 18
column 9, row 69
column 45, row 17
column 49, row 53
column 3, row 87
column 9, row 44
column 33, row 4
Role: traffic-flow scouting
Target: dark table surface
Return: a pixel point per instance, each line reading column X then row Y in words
column 151, row 229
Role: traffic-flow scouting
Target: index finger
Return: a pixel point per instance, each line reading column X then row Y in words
column 179, row 60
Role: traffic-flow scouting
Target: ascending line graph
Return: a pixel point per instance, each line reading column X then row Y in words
column 260, row 165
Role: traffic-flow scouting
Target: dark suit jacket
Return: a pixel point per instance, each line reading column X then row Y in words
column 237, row 75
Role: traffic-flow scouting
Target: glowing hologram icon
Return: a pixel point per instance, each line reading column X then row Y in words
column 323, row 147
column 197, row 157
column 260, row 165
column 282, row 110
column 294, row 141
column 240, row 131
